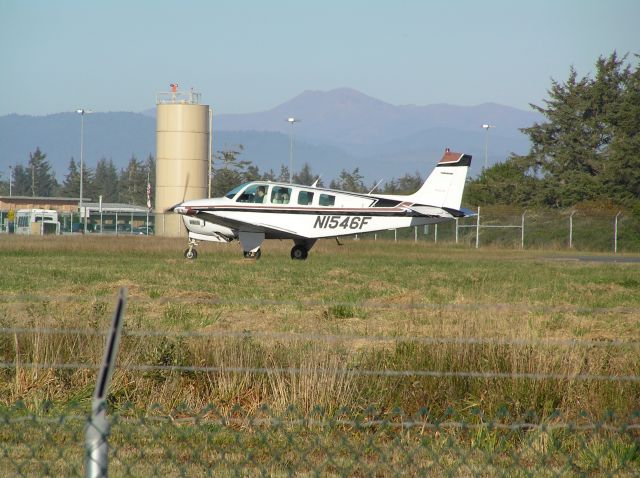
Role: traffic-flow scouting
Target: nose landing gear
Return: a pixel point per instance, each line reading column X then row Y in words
column 252, row 254
column 191, row 253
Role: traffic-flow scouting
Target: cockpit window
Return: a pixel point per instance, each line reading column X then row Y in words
column 280, row 195
column 231, row 194
column 255, row 193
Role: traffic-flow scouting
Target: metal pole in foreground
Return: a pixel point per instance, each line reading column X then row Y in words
column 478, row 229
column 456, row 230
column 97, row 430
column 615, row 234
column 571, row 230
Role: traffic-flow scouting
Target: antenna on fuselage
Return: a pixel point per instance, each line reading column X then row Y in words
column 374, row 188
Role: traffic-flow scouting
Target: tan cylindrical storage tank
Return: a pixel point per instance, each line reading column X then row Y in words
column 182, row 160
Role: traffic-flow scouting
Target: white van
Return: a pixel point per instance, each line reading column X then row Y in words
column 37, row 221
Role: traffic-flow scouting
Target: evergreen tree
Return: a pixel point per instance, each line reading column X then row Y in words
column 622, row 176
column 503, row 183
column 587, row 149
column 71, row 184
column 133, row 183
column 231, row 173
column 88, row 184
column 305, row 176
column 284, row 174
column 43, row 181
column 409, row 183
column 21, row 181
column 349, row 181
column 106, row 181
column 269, row 176
column 252, row 173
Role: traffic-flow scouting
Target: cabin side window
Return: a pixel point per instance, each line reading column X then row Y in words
column 305, row 198
column 327, row 200
column 280, row 195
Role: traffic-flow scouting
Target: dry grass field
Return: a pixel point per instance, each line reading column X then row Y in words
column 483, row 336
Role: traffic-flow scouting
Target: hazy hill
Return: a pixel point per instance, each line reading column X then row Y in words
column 341, row 128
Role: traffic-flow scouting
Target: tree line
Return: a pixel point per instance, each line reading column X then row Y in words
column 586, row 151
column 37, row 179
column 230, row 171
column 129, row 185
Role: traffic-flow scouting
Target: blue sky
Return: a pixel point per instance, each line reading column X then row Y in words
column 248, row 56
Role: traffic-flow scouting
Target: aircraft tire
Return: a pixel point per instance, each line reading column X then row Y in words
column 190, row 254
column 299, row 252
column 252, row 255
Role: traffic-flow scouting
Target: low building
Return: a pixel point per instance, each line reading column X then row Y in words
column 108, row 218
column 61, row 205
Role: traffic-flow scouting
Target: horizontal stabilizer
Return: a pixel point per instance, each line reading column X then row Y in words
column 430, row 211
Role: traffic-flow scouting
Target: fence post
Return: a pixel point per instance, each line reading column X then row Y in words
column 435, row 234
column 395, row 235
column 522, row 230
column 97, row 431
column 456, row 230
column 415, row 233
column 615, row 234
column 571, row 230
column 478, row 229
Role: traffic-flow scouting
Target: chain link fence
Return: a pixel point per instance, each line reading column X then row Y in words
column 605, row 230
column 184, row 441
column 499, row 226
column 240, row 403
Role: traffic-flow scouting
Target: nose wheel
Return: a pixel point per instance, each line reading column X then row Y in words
column 255, row 255
column 299, row 252
column 190, row 252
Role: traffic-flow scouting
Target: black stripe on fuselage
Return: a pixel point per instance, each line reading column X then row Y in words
column 372, row 211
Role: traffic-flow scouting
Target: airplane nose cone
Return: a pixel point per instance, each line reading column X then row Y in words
column 181, row 210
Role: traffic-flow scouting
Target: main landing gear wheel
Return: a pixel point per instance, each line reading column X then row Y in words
column 299, row 252
column 252, row 255
column 190, row 253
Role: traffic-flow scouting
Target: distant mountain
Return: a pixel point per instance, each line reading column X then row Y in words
column 348, row 117
column 116, row 136
column 341, row 128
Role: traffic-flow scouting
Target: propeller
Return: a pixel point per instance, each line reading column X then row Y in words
column 184, row 195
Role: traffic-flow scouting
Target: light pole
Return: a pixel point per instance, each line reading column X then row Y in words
column 486, row 143
column 10, row 178
column 291, row 121
column 82, row 112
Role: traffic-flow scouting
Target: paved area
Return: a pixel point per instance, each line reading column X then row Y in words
column 607, row 259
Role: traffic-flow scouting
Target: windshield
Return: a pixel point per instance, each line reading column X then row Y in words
column 235, row 191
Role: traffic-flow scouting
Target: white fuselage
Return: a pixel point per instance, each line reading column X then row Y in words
column 325, row 213
column 262, row 210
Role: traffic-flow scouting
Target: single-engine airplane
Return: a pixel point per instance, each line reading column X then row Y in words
column 262, row 210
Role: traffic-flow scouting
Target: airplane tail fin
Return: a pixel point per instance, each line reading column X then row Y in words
column 444, row 186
